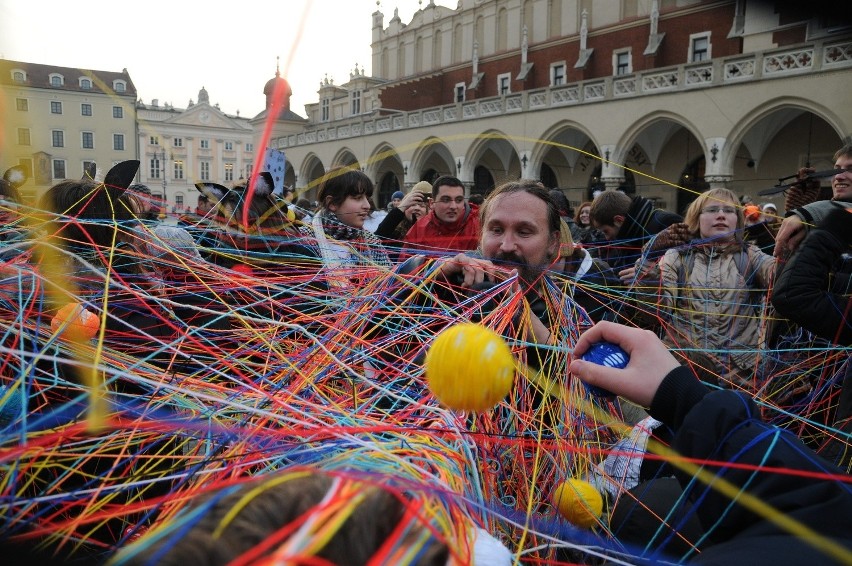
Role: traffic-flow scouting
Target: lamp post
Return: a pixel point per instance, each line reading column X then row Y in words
column 158, row 157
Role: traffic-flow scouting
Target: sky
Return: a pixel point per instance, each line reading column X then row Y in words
column 173, row 49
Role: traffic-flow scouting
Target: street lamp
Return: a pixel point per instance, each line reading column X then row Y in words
column 157, row 158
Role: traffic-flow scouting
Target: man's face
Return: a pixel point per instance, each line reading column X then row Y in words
column 841, row 184
column 515, row 234
column 610, row 231
column 449, row 204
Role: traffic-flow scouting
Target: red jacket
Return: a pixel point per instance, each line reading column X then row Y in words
column 431, row 234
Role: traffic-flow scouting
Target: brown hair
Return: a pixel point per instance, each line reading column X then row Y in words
column 607, row 206
column 254, row 518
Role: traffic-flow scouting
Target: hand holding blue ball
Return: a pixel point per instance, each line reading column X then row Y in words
column 605, row 354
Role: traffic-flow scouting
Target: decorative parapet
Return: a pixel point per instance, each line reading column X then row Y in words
column 776, row 63
column 786, row 61
column 624, row 86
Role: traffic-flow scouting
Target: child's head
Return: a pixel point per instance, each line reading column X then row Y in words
column 715, row 214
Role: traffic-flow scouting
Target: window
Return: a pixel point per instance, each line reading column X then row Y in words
column 179, row 200
column 205, row 144
column 155, row 168
column 699, row 47
column 557, row 74
column 248, row 171
column 117, row 112
column 85, row 83
column 355, row 99
column 249, row 147
column 59, row 169
column 56, row 80
column 118, row 142
column 57, row 138
column 459, row 92
column 23, row 136
column 55, row 107
column 229, row 146
column 621, row 62
column 205, row 170
column 88, row 140
column 178, row 142
column 119, row 86
column 22, row 104
column 85, row 109
column 19, row 76
column 89, row 166
column 155, row 140
column 229, row 171
column 178, row 169
column 504, row 84
column 324, row 104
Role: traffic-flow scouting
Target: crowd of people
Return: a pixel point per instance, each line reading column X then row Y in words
column 253, row 389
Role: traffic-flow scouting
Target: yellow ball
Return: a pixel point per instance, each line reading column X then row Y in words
column 579, row 502
column 469, row 367
column 76, row 322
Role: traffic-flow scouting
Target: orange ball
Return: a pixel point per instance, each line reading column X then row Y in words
column 469, row 367
column 75, row 322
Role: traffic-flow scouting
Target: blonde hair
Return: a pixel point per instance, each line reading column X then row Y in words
column 711, row 197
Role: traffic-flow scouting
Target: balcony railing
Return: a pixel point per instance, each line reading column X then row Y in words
column 771, row 64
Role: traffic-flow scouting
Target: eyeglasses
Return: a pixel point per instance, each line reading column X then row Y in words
column 718, row 209
column 448, row 200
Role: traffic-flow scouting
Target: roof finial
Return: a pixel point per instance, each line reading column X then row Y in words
column 277, row 60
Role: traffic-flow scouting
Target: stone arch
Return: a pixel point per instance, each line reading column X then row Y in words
column 666, row 154
column 570, row 152
column 311, row 171
column 432, row 157
column 496, row 152
column 345, row 157
column 386, row 169
column 775, row 140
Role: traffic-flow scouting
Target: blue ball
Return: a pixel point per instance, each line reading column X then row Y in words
column 605, row 354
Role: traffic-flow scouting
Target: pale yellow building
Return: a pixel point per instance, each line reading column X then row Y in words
column 57, row 121
column 179, row 147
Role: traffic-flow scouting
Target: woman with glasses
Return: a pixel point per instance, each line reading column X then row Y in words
column 711, row 290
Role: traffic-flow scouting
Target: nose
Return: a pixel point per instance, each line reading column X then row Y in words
column 507, row 244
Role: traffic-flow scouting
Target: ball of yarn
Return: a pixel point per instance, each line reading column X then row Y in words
column 579, row 502
column 469, row 367
column 76, row 322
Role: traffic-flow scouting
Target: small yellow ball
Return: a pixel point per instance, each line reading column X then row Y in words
column 469, row 367
column 579, row 502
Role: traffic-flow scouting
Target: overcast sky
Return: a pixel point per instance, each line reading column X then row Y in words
column 174, row 48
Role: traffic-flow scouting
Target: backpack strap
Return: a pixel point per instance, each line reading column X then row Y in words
column 687, row 261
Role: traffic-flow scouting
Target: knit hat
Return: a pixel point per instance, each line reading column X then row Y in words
column 423, row 187
column 168, row 242
column 397, row 195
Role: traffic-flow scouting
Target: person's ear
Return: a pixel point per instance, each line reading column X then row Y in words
column 618, row 220
column 553, row 245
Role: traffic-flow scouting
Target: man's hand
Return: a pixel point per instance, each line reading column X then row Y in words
column 672, row 236
column 650, row 362
column 790, row 235
column 802, row 192
column 412, row 198
column 470, row 270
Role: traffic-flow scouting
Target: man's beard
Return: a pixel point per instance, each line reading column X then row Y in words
column 527, row 274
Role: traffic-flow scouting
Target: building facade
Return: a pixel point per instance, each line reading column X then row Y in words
column 179, row 147
column 665, row 98
column 60, row 122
